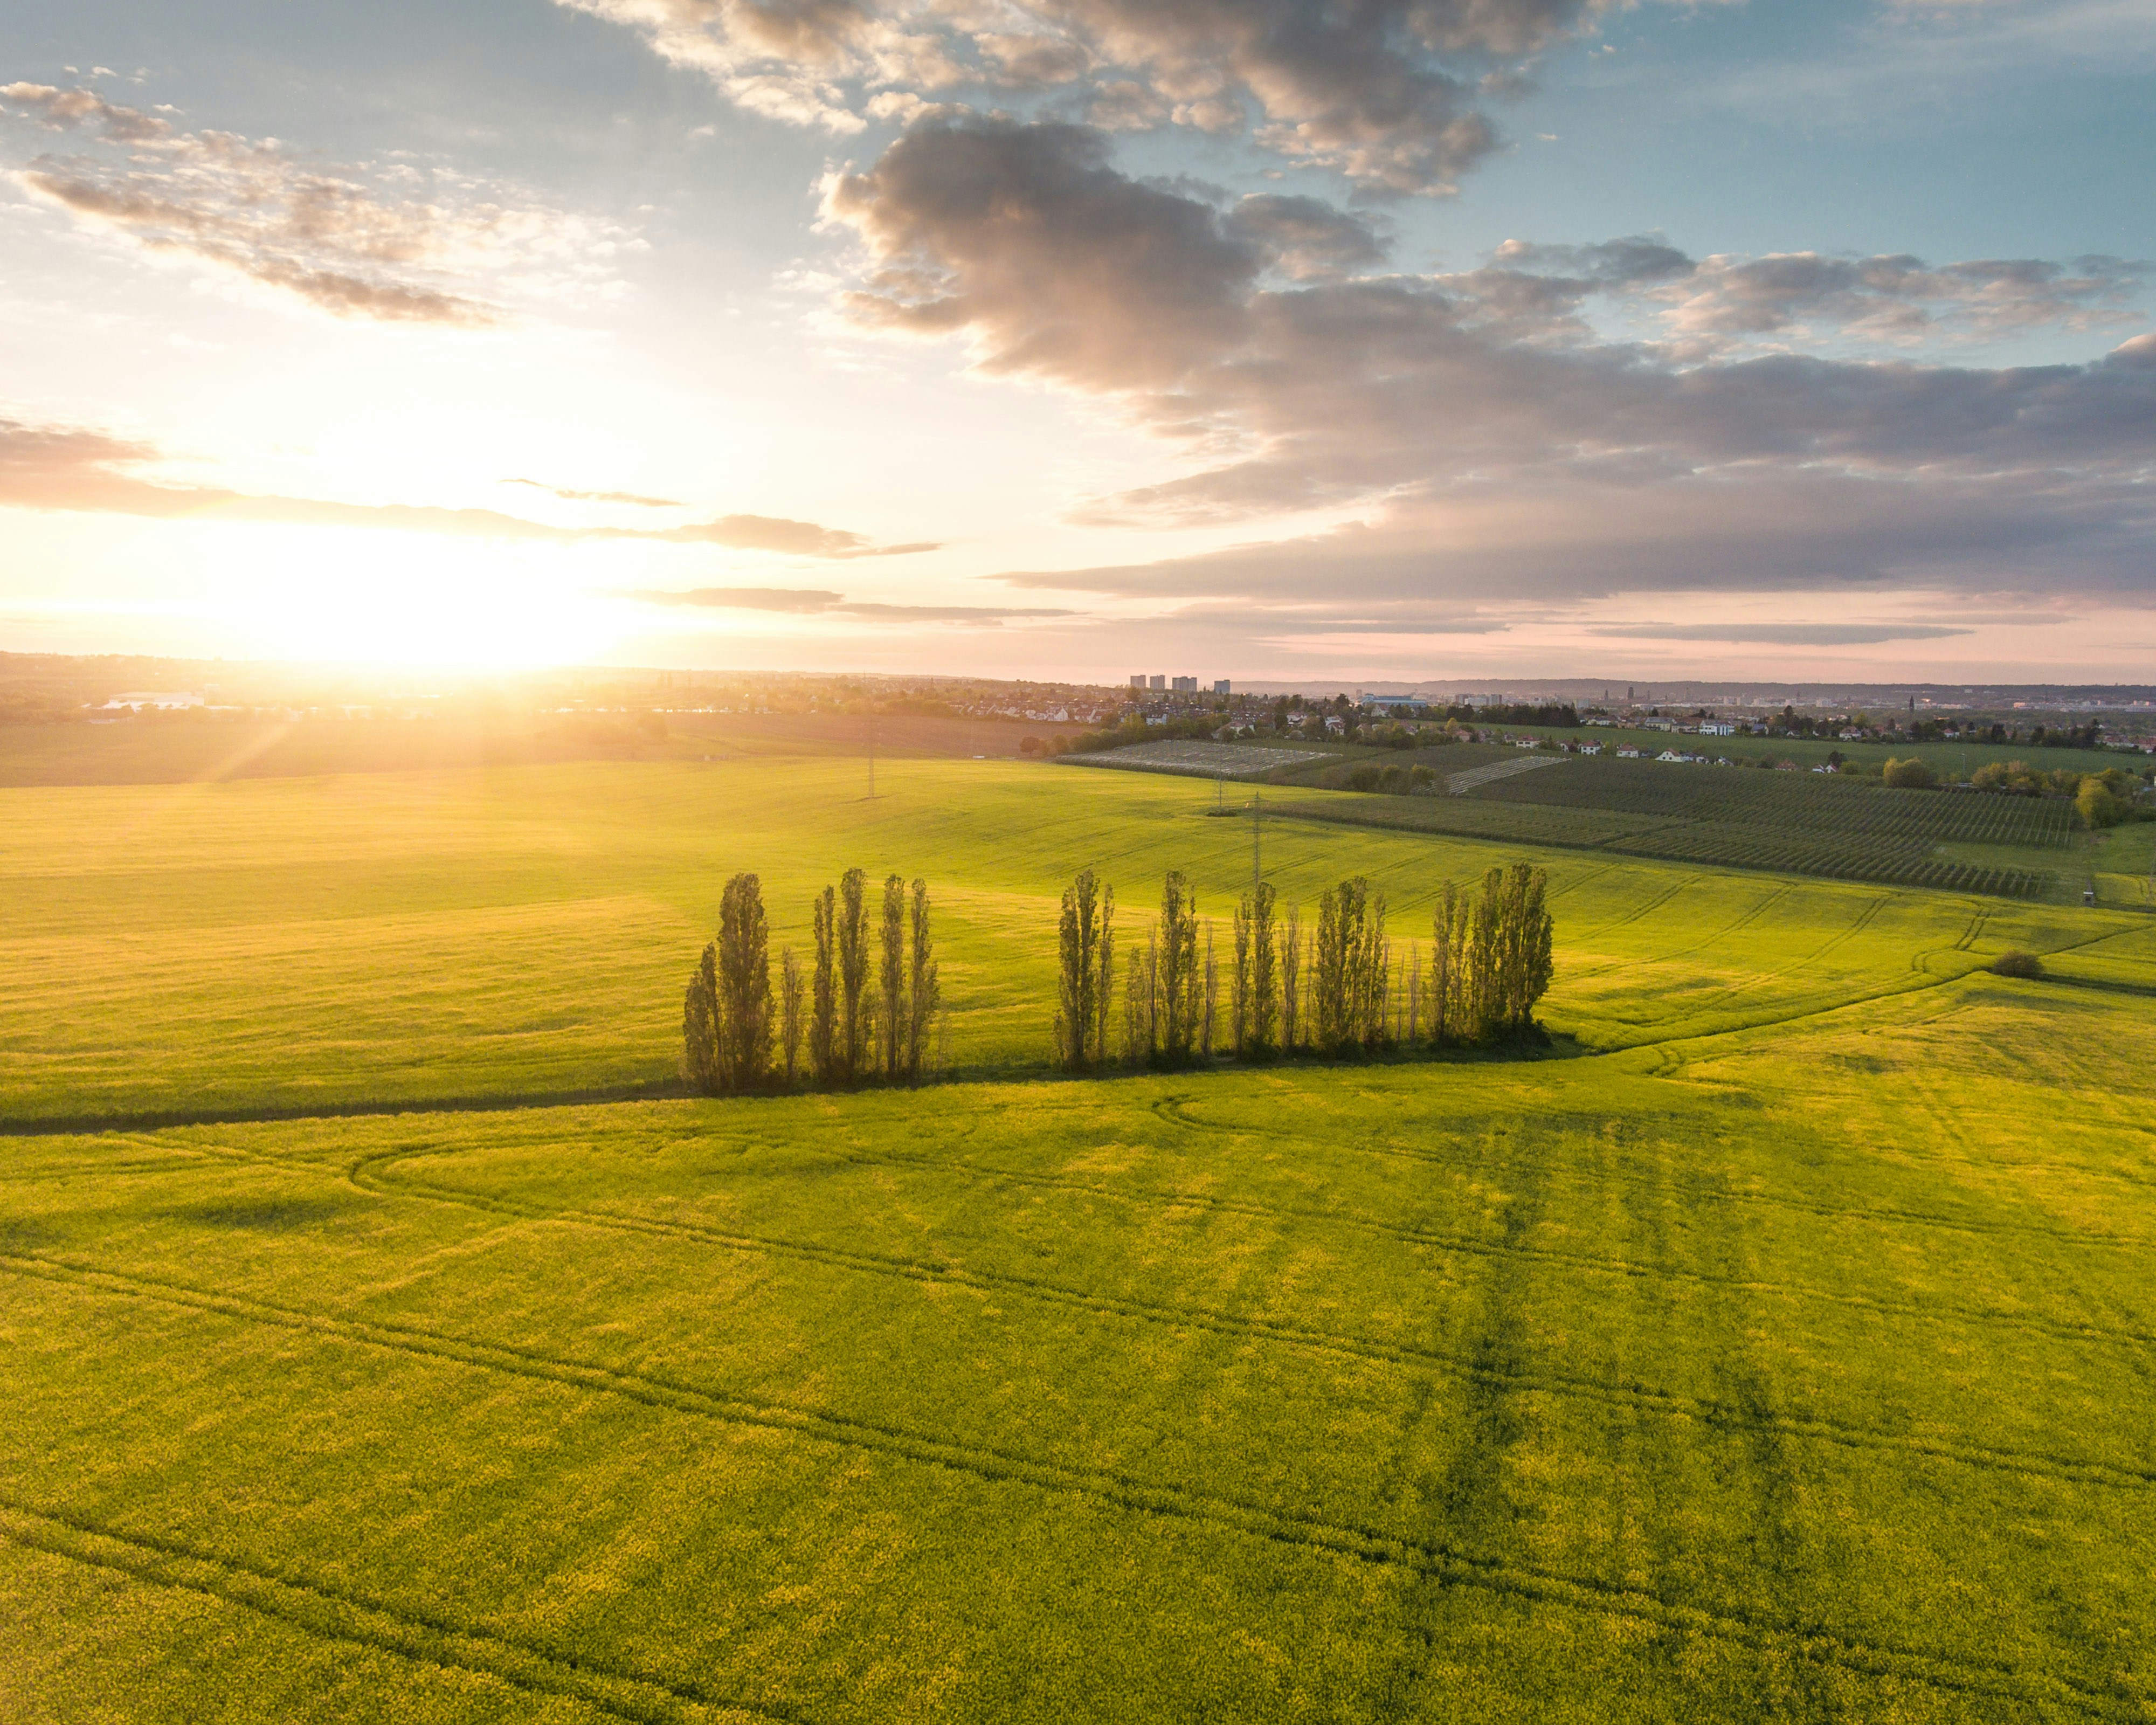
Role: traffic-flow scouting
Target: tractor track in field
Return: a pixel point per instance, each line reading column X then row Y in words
column 1171, row 1109
column 333, row 1613
column 1188, row 1315
column 1306, row 1533
column 1473, row 1245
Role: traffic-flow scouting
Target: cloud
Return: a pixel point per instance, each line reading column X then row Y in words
column 799, row 601
column 1390, row 93
column 1490, row 439
column 1899, row 297
column 816, row 602
column 627, row 497
column 1307, row 238
column 60, row 467
column 340, row 240
column 1794, row 634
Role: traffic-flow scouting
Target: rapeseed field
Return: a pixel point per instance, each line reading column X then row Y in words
column 384, row 1340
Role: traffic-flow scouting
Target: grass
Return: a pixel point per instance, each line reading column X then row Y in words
column 1775, row 1347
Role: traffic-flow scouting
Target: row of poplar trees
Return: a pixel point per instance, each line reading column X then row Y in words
column 1341, row 989
column 867, row 1008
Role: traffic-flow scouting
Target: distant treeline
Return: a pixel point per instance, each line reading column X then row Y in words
column 867, row 1008
column 1338, row 989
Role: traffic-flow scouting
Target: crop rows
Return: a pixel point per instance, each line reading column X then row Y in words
column 1789, row 847
column 1807, row 803
column 1897, row 861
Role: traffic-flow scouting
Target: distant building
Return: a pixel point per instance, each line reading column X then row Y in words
column 1392, row 702
column 1629, row 750
column 1658, row 724
column 1156, row 682
column 1220, row 687
column 1137, row 680
column 1185, row 685
column 1336, row 726
column 164, row 700
column 1717, row 728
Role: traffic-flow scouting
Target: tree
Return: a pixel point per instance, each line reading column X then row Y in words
column 1238, row 978
column 924, row 995
column 792, row 987
column 1448, row 968
column 1085, row 973
column 1178, row 979
column 1479, row 1019
column 1912, row 774
column 700, row 1025
column 1140, row 1014
column 823, row 1003
column 2097, row 806
column 744, row 985
column 1209, row 994
column 1371, row 962
column 1525, row 965
column 850, row 1054
column 895, row 1020
column 1346, row 971
column 1291, row 981
column 1265, row 972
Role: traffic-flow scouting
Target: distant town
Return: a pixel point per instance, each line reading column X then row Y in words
column 53, row 689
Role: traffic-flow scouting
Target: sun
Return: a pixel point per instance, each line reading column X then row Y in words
column 358, row 596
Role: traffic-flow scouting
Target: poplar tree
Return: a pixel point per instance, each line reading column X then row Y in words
column 1084, row 972
column 894, row 1019
column 792, row 987
column 823, row 999
column 744, row 985
column 1524, row 962
column 1337, row 983
column 1371, row 966
column 1481, row 1018
column 1209, row 992
column 1291, row 982
column 1140, row 1018
column 1238, row 978
column 851, row 1049
column 1177, row 979
column 924, row 994
column 1443, row 967
column 1265, row 972
column 700, row 1025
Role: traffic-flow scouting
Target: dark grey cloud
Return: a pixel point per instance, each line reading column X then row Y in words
column 1305, row 237
column 1391, row 93
column 63, row 468
column 1490, row 437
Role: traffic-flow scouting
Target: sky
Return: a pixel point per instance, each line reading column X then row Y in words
column 1415, row 340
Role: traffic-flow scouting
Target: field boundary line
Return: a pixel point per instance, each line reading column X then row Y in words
column 1672, row 1403
column 333, row 1614
column 58, row 1126
column 1434, row 1560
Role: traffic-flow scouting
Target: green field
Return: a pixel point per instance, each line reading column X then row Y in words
column 384, row 1339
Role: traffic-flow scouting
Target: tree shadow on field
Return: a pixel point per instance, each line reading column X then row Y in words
column 269, row 1216
column 1469, row 1494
